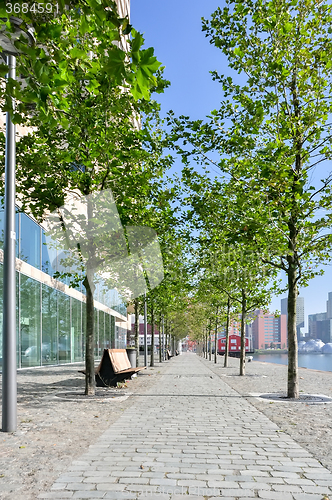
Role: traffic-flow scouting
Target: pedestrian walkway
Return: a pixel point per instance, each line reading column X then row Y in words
column 193, row 437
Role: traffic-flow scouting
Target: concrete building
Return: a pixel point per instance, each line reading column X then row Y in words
column 320, row 327
column 299, row 315
column 329, row 306
column 269, row 331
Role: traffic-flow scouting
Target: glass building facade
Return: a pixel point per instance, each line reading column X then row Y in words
column 50, row 316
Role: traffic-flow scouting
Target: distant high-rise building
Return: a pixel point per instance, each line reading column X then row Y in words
column 329, row 306
column 320, row 327
column 269, row 331
column 299, row 314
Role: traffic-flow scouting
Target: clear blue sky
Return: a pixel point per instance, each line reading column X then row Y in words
column 173, row 28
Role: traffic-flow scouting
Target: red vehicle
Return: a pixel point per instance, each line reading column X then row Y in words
column 234, row 345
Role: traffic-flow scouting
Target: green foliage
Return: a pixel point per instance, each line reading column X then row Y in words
column 273, row 135
column 85, row 37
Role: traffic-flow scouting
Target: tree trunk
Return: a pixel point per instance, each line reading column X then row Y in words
column 90, row 382
column 206, row 345
column 216, row 337
column 166, row 339
column 136, row 331
column 159, row 329
column 152, row 337
column 293, row 380
column 227, row 333
column 243, row 334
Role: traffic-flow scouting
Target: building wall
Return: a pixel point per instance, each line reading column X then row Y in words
column 269, row 331
column 299, row 313
column 320, row 327
column 329, row 306
column 50, row 314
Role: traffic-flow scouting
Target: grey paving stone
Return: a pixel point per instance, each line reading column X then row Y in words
column 58, row 486
column 307, row 496
column 273, row 495
column 65, row 478
column 317, row 489
column 89, row 494
column 56, row 495
column 80, row 486
column 193, row 447
column 123, row 495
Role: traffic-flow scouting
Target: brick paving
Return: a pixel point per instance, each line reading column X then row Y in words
column 192, row 436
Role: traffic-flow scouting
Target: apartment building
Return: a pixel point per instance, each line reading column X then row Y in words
column 269, row 331
column 299, row 315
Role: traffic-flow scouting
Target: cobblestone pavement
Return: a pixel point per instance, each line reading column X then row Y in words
column 192, row 436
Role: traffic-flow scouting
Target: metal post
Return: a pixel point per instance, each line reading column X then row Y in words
column 9, row 384
column 163, row 341
column 145, row 333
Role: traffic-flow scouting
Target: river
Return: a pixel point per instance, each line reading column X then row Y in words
column 315, row 361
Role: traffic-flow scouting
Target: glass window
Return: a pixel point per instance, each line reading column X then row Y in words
column 30, row 321
column 64, row 328
column 120, row 337
column 17, row 316
column 101, row 332
column 1, row 309
column 96, row 337
column 49, row 255
column 49, row 325
column 84, row 326
column 30, row 234
column 77, row 339
column 108, row 333
column 2, row 225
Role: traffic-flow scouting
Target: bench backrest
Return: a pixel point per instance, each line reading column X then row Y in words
column 119, row 359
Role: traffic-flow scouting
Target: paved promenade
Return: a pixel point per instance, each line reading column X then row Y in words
column 193, row 437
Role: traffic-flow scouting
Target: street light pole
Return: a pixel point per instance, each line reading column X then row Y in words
column 145, row 333
column 9, row 386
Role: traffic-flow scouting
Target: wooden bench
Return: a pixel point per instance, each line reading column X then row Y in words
column 114, row 367
column 168, row 354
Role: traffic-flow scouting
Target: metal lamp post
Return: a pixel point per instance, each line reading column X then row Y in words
column 9, row 384
column 145, row 333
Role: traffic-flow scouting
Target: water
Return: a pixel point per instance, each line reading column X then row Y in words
column 315, row 361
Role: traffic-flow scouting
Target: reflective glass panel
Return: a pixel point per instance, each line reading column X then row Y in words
column 84, row 326
column 49, row 325
column 49, row 255
column 30, row 321
column 96, row 336
column 77, row 339
column 1, row 309
column 108, row 332
column 101, row 332
column 30, row 234
column 64, row 327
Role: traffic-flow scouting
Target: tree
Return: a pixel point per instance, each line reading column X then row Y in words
column 223, row 269
column 86, row 138
column 239, row 277
column 271, row 132
column 66, row 35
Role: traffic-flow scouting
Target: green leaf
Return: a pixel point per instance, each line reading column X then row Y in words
column 3, row 70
